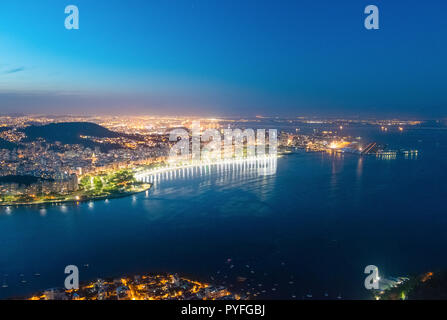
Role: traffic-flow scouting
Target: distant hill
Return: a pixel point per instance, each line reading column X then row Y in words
column 7, row 145
column 71, row 132
column 68, row 132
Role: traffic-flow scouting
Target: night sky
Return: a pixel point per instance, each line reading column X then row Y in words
column 224, row 58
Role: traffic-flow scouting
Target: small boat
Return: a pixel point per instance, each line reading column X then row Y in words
column 37, row 274
column 4, row 285
column 86, row 265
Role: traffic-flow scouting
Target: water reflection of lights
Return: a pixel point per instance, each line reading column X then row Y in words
column 64, row 208
column 261, row 165
column 8, row 210
column 91, row 204
column 387, row 156
column 43, row 212
column 412, row 154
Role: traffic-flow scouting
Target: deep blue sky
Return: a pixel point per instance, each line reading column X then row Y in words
column 224, row 57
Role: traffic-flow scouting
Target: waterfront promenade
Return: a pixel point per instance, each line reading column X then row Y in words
column 263, row 165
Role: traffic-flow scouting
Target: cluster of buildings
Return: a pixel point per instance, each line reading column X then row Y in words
column 318, row 141
column 63, row 186
column 58, row 167
column 59, row 171
column 145, row 287
column 61, row 165
column 58, row 161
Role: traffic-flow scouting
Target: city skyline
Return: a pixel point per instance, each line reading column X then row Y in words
column 213, row 58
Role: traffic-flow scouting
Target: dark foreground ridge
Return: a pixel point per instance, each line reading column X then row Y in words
column 428, row 286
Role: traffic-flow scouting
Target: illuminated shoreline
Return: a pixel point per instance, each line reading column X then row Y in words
column 259, row 162
column 145, row 187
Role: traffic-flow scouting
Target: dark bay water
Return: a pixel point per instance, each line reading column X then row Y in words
column 310, row 228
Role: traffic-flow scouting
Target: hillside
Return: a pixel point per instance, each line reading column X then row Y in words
column 68, row 132
column 71, row 132
column 7, row 145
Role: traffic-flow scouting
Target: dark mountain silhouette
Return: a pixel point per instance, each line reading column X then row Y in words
column 68, row 132
column 71, row 132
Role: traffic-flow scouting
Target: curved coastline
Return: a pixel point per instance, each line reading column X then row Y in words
column 147, row 187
